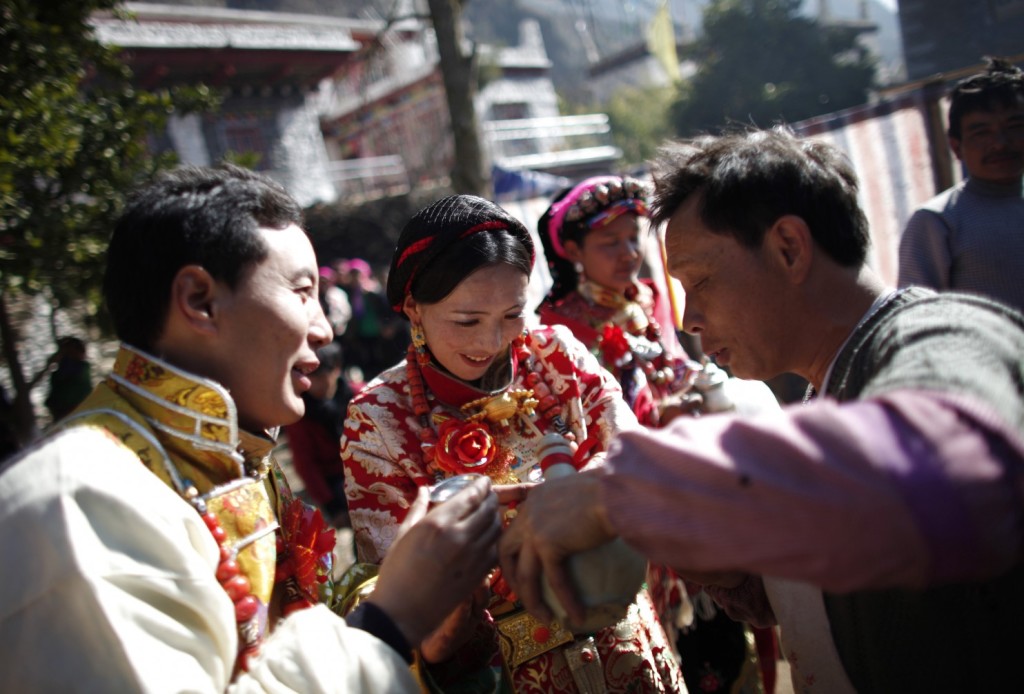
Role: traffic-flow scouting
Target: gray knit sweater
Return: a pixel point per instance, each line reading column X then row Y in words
column 952, row 638
column 969, row 238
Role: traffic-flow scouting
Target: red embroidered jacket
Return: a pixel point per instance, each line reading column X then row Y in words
column 384, row 466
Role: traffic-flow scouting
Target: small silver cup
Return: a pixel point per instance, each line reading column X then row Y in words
column 446, row 489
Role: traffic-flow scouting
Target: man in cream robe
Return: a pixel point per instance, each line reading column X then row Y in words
column 152, row 544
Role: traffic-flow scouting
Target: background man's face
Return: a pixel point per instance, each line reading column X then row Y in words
column 991, row 143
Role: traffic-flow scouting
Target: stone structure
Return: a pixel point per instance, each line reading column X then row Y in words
column 347, row 107
column 522, row 122
column 269, row 67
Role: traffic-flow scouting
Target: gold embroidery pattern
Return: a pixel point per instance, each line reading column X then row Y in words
column 243, row 511
column 175, row 403
column 519, row 635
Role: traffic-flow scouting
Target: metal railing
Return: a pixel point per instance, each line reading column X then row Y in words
column 368, row 178
column 540, row 143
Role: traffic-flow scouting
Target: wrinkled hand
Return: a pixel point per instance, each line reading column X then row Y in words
column 554, row 520
column 457, row 628
column 687, row 405
column 439, row 559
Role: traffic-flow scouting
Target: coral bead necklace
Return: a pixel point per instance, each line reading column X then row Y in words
column 468, row 445
column 234, row 583
column 304, row 547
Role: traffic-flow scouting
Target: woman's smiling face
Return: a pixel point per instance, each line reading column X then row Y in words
column 468, row 330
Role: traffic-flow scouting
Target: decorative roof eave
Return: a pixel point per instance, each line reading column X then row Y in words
column 157, row 12
column 586, row 156
column 523, row 57
column 143, row 35
column 631, row 54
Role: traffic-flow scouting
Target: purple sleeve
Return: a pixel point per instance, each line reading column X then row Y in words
column 906, row 490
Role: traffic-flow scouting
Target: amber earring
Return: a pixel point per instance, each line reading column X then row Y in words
column 419, row 343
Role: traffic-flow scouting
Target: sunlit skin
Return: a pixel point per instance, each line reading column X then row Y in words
column 991, row 144
column 472, row 328
column 268, row 330
column 611, row 255
column 735, row 296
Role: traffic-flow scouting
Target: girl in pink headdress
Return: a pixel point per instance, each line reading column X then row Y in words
column 593, row 236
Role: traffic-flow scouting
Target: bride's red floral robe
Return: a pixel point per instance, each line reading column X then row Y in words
column 384, row 466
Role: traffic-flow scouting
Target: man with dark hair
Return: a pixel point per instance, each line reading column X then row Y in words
column 152, row 543
column 971, row 237
column 881, row 524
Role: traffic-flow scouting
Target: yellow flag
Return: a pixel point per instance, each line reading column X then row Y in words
column 672, row 284
column 661, row 40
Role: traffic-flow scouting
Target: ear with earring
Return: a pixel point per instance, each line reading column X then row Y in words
column 578, row 267
column 419, row 343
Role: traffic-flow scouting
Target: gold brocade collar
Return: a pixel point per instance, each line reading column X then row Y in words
column 193, row 412
column 600, row 295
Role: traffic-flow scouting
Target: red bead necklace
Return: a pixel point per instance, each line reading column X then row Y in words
column 634, row 318
column 234, row 584
column 303, row 540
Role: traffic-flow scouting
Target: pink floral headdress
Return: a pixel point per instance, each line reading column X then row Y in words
column 596, row 201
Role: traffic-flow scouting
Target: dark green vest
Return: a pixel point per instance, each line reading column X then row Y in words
column 955, row 638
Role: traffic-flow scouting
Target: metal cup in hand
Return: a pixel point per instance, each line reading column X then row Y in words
column 446, row 489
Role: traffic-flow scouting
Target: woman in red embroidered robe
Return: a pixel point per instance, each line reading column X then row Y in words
column 476, row 394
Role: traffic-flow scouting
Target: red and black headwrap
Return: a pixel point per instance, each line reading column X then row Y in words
column 438, row 227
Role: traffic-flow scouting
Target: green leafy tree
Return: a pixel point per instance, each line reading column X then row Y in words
column 640, row 121
column 761, row 62
column 73, row 141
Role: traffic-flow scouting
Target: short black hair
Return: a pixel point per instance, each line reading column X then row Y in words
column 750, row 179
column 72, row 345
column 1001, row 84
column 207, row 216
